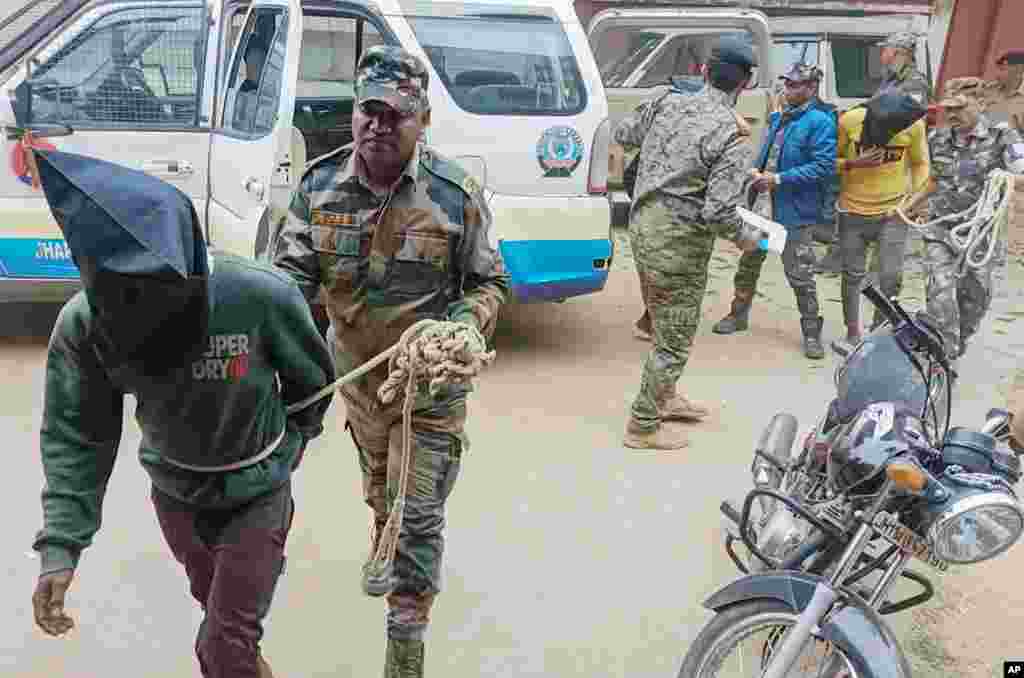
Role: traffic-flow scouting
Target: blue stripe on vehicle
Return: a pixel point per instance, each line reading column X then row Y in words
column 551, row 270
column 36, row 258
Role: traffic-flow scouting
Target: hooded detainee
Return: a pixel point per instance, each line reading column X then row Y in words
column 213, row 347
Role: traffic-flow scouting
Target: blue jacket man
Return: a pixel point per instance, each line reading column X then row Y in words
column 794, row 169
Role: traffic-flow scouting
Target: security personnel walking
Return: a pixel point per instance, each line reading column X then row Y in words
column 395, row 233
column 1004, row 96
column 963, row 154
column 693, row 172
column 798, row 162
column 899, row 65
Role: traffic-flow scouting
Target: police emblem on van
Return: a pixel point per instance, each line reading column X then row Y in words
column 559, row 151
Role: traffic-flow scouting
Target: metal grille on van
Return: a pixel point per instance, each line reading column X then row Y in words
column 132, row 66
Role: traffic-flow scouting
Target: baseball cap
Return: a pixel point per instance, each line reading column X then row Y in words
column 901, row 40
column 392, row 76
column 799, row 72
column 733, row 50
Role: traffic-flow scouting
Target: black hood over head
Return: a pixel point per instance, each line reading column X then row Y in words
column 887, row 115
column 142, row 257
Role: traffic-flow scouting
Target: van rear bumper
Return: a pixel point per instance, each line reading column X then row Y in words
column 554, row 247
column 554, row 270
column 37, row 290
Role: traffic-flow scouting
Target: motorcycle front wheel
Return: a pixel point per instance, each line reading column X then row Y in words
column 739, row 641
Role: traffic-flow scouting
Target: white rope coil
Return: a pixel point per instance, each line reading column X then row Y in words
column 979, row 228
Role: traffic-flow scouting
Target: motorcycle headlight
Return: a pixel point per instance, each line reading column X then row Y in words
column 976, row 527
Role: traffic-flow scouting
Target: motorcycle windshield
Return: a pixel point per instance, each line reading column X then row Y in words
column 879, row 371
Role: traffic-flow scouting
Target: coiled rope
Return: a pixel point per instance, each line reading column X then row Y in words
column 434, row 353
column 979, row 229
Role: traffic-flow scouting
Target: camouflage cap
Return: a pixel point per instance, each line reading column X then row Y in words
column 954, row 101
column 393, row 76
column 799, row 72
column 904, row 40
column 968, row 87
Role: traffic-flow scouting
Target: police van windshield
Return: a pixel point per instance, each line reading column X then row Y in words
column 503, row 64
column 642, row 58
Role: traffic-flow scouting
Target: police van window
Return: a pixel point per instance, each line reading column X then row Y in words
column 620, row 53
column 643, row 59
column 498, row 64
column 253, row 92
column 858, row 66
column 134, row 68
column 331, row 46
column 787, row 53
column 330, row 50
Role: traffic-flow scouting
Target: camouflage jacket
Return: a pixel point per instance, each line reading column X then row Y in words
column 910, row 81
column 960, row 166
column 387, row 261
column 695, row 157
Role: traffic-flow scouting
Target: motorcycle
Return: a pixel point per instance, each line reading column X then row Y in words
column 880, row 481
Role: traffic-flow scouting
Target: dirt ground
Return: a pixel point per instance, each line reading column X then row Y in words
column 977, row 622
column 974, row 622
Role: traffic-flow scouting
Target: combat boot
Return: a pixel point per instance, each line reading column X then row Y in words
column 662, row 438
column 264, row 668
column 679, row 408
column 738, row 319
column 404, row 659
column 812, row 337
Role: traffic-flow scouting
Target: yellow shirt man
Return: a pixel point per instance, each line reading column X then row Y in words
column 877, row 191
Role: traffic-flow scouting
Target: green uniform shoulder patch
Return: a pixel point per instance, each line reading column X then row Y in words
column 448, row 170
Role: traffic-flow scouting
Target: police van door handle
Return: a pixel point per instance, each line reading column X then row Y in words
column 254, row 186
column 169, row 168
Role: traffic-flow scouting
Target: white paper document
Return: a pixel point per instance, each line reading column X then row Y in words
column 776, row 240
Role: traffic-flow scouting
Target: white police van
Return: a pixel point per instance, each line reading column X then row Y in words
column 516, row 97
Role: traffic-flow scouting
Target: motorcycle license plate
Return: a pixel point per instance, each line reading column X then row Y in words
column 909, row 542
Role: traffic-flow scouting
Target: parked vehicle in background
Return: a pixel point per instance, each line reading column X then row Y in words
column 639, row 48
column 229, row 100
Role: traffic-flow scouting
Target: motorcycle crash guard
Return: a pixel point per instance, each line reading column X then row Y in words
column 859, row 631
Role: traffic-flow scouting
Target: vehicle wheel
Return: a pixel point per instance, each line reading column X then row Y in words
column 724, row 647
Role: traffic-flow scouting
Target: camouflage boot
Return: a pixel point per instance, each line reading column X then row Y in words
column 404, row 659
column 679, row 408
column 661, row 438
column 812, row 337
column 738, row 319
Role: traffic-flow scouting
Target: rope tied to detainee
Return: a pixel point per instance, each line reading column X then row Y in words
column 432, row 353
column 439, row 354
column 979, row 227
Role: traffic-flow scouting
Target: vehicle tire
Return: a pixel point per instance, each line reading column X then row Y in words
column 706, row 655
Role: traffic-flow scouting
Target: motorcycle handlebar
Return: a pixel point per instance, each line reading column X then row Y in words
column 898, row 316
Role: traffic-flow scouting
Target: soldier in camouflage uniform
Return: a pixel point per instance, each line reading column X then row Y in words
column 962, row 156
column 798, row 160
column 396, row 233
column 1004, row 96
column 900, row 68
column 693, row 172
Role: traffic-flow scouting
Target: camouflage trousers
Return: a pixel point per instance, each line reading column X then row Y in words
column 438, row 441
column 957, row 304
column 798, row 264
column 672, row 263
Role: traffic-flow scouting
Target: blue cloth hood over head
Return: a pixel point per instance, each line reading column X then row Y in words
column 141, row 254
